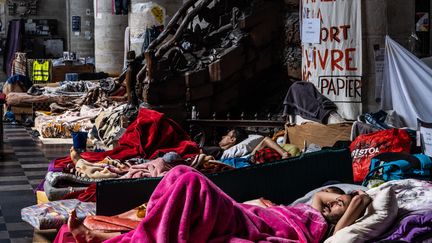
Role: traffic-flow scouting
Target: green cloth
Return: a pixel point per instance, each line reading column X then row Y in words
column 291, row 149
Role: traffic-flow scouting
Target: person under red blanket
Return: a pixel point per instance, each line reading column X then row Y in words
column 151, row 134
column 187, row 207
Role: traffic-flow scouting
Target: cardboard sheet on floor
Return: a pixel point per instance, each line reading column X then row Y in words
column 55, row 140
column 320, row 134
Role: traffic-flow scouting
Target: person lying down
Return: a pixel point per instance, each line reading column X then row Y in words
column 237, row 135
column 187, row 207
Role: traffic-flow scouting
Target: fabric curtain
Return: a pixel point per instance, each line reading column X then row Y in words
column 13, row 44
column 407, row 86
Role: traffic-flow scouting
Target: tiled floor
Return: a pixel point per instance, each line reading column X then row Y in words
column 23, row 164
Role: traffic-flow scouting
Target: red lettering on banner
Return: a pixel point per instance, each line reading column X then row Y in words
column 306, row 74
column 335, row 33
column 339, row 59
column 345, row 29
column 314, row 57
column 323, row 59
column 308, row 62
column 348, row 59
column 336, row 60
column 319, row 15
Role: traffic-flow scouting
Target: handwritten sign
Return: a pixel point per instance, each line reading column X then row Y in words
column 425, row 130
column 379, row 72
column 311, row 30
column 334, row 64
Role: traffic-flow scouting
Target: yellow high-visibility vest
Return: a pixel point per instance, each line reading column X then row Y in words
column 41, row 71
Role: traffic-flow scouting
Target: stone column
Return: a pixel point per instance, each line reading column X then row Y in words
column 82, row 42
column 109, row 37
column 380, row 18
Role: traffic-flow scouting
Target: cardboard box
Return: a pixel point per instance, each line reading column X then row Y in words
column 320, row 134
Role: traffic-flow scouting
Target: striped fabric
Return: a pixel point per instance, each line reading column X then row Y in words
column 19, row 64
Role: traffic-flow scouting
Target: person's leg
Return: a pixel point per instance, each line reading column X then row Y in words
column 125, row 6
column 268, row 143
column 82, row 234
column 75, row 156
column 118, row 6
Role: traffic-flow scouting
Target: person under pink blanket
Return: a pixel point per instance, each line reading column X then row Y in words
column 187, row 207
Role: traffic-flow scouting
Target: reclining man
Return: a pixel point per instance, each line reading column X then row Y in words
column 237, row 135
column 187, row 207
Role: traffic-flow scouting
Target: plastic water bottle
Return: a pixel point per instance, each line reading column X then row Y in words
column 194, row 113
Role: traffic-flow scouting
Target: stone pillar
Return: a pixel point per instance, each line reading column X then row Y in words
column 109, row 37
column 82, row 42
column 380, row 18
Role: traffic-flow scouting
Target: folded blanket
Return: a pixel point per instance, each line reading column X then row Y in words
column 188, row 207
column 57, row 193
column 56, row 179
column 413, row 227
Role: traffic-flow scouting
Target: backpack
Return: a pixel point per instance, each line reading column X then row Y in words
column 397, row 166
column 366, row 146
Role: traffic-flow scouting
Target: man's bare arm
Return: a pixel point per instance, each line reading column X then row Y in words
column 320, row 198
column 354, row 211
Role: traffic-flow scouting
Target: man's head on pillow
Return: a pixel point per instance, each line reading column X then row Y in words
column 234, row 136
column 334, row 209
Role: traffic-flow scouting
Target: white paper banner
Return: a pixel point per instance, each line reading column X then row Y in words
column 335, row 64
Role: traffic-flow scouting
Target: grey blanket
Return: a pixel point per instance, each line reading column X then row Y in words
column 305, row 100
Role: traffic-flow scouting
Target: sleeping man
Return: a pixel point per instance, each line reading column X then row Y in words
column 237, row 135
column 187, row 207
column 233, row 137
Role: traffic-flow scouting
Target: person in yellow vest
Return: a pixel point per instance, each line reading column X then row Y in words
column 41, row 71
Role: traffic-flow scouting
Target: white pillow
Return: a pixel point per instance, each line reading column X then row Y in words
column 347, row 188
column 243, row 148
column 379, row 216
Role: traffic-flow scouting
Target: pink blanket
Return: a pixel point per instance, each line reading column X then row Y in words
column 187, row 207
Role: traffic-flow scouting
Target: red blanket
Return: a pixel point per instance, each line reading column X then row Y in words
column 187, row 207
column 150, row 134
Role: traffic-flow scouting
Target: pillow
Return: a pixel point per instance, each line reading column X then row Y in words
column 379, row 216
column 59, row 178
column 57, row 193
column 53, row 215
column 346, row 187
column 243, row 148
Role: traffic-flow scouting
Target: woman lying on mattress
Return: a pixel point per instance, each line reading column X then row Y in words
column 188, row 207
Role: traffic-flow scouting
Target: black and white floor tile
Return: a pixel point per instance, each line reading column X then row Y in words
column 23, row 164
